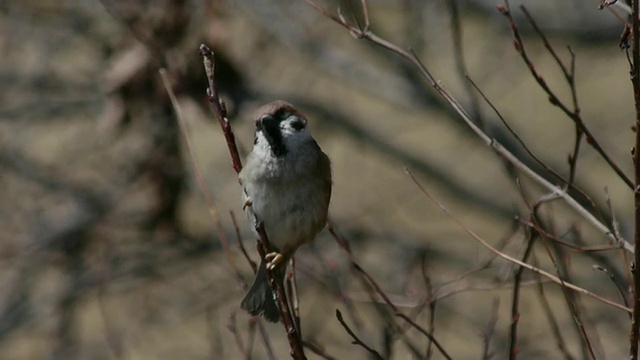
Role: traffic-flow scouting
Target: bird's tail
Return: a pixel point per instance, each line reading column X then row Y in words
column 260, row 300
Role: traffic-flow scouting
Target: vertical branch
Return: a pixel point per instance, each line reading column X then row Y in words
column 488, row 331
column 295, row 342
column 635, row 80
column 458, row 49
column 213, row 209
column 553, row 322
column 219, row 108
column 515, row 299
column 431, row 300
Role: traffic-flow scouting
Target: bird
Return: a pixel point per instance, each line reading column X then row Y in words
column 286, row 185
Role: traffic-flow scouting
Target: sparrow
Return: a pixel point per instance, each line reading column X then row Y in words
column 287, row 186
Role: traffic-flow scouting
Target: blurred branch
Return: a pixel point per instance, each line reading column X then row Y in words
column 611, row 276
column 356, row 339
column 111, row 332
column 317, row 350
column 489, row 330
column 268, row 348
column 537, row 231
column 634, row 334
column 344, row 245
column 549, row 276
column 431, row 301
column 231, row 325
column 515, row 298
column 365, row 33
column 553, row 322
column 458, row 48
column 213, row 210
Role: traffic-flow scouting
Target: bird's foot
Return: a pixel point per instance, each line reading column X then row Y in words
column 274, row 259
column 247, row 203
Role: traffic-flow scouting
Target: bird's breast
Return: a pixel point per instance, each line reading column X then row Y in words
column 292, row 212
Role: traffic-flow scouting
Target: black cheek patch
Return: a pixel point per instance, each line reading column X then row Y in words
column 297, row 125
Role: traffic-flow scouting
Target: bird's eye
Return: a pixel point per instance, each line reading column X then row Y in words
column 297, row 125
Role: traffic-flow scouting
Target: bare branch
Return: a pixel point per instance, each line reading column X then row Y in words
column 356, row 340
column 455, row 105
column 554, row 100
column 549, row 276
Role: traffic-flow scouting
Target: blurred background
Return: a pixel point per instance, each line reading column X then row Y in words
column 107, row 247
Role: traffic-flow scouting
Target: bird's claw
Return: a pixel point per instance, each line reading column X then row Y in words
column 247, row 203
column 274, row 259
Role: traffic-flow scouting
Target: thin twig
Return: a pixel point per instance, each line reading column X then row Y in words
column 569, row 297
column 537, row 229
column 424, row 270
column 265, row 339
column 515, row 134
column 569, row 75
column 554, row 100
column 549, row 276
column 489, row 330
column 252, row 336
column 292, row 280
column 316, row 349
column 555, row 328
column 219, row 108
column 461, row 65
column 231, row 326
column 615, row 283
column 515, row 298
column 252, row 263
column 113, row 341
column 356, row 339
column 213, row 210
column 371, row 282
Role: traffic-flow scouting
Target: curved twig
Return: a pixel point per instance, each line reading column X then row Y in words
column 549, row 276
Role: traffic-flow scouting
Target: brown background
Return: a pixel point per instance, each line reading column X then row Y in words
column 88, row 271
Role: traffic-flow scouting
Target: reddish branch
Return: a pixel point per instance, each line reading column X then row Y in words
column 219, row 108
column 295, row 343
